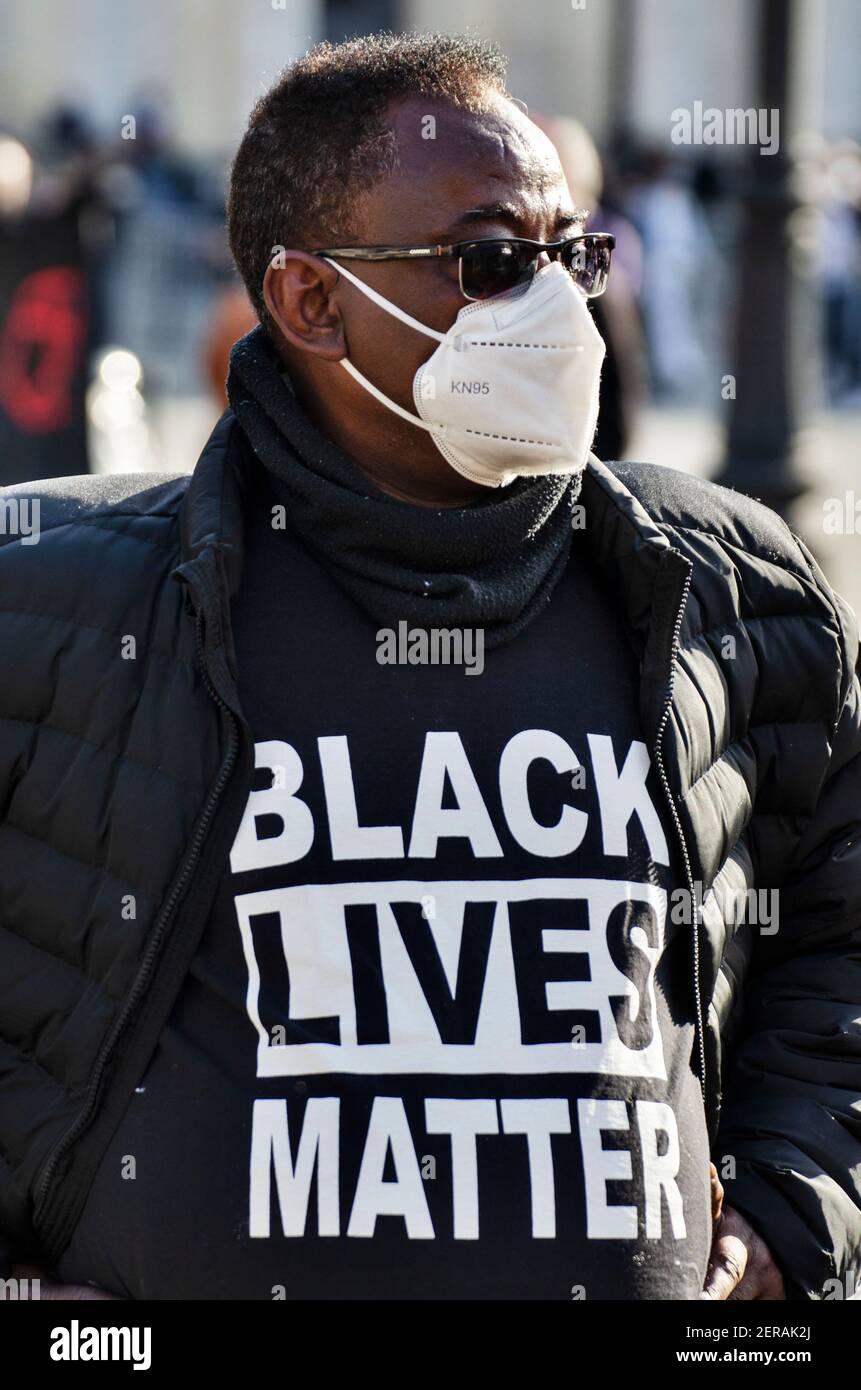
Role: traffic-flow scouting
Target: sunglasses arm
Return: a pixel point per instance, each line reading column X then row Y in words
column 385, row 253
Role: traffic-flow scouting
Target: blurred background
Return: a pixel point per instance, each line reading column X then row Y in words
column 719, row 142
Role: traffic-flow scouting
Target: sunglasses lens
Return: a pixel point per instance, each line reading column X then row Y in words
column 588, row 260
column 492, row 267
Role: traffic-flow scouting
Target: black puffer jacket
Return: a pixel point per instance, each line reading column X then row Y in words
column 125, row 764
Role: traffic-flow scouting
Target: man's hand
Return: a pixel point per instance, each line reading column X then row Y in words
column 60, row 1292
column 740, row 1265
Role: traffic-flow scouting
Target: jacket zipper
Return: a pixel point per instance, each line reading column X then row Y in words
column 659, row 759
column 153, row 948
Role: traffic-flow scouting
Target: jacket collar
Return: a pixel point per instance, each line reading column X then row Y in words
column 212, row 511
column 625, row 541
column 645, row 573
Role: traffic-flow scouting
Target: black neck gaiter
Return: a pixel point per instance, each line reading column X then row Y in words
column 492, row 564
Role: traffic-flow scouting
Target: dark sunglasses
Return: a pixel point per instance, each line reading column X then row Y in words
column 497, row 264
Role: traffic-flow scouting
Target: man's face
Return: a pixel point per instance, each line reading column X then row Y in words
column 489, row 174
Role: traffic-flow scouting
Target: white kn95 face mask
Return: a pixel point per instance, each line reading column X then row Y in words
column 511, row 389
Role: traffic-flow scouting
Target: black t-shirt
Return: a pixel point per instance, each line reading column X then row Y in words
column 436, row 1041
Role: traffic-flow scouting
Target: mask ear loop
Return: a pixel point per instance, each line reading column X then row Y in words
column 386, row 303
column 381, row 396
column 405, row 318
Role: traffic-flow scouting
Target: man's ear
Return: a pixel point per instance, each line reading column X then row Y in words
column 298, row 294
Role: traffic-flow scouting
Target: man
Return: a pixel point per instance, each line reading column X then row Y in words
column 382, row 803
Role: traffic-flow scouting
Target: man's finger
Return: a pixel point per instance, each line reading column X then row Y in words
column 748, row 1288
column 762, row 1279
column 716, row 1194
column 49, row 1291
column 728, row 1264
column 76, row 1293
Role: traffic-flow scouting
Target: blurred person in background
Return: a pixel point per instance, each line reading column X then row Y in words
column 50, row 238
column 677, row 242
column 616, row 312
column 839, row 264
column 381, row 880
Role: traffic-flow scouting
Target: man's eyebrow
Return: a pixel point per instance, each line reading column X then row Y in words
column 511, row 213
column 491, row 212
column 564, row 219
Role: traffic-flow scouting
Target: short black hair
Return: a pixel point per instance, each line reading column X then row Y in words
column 319, row 136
